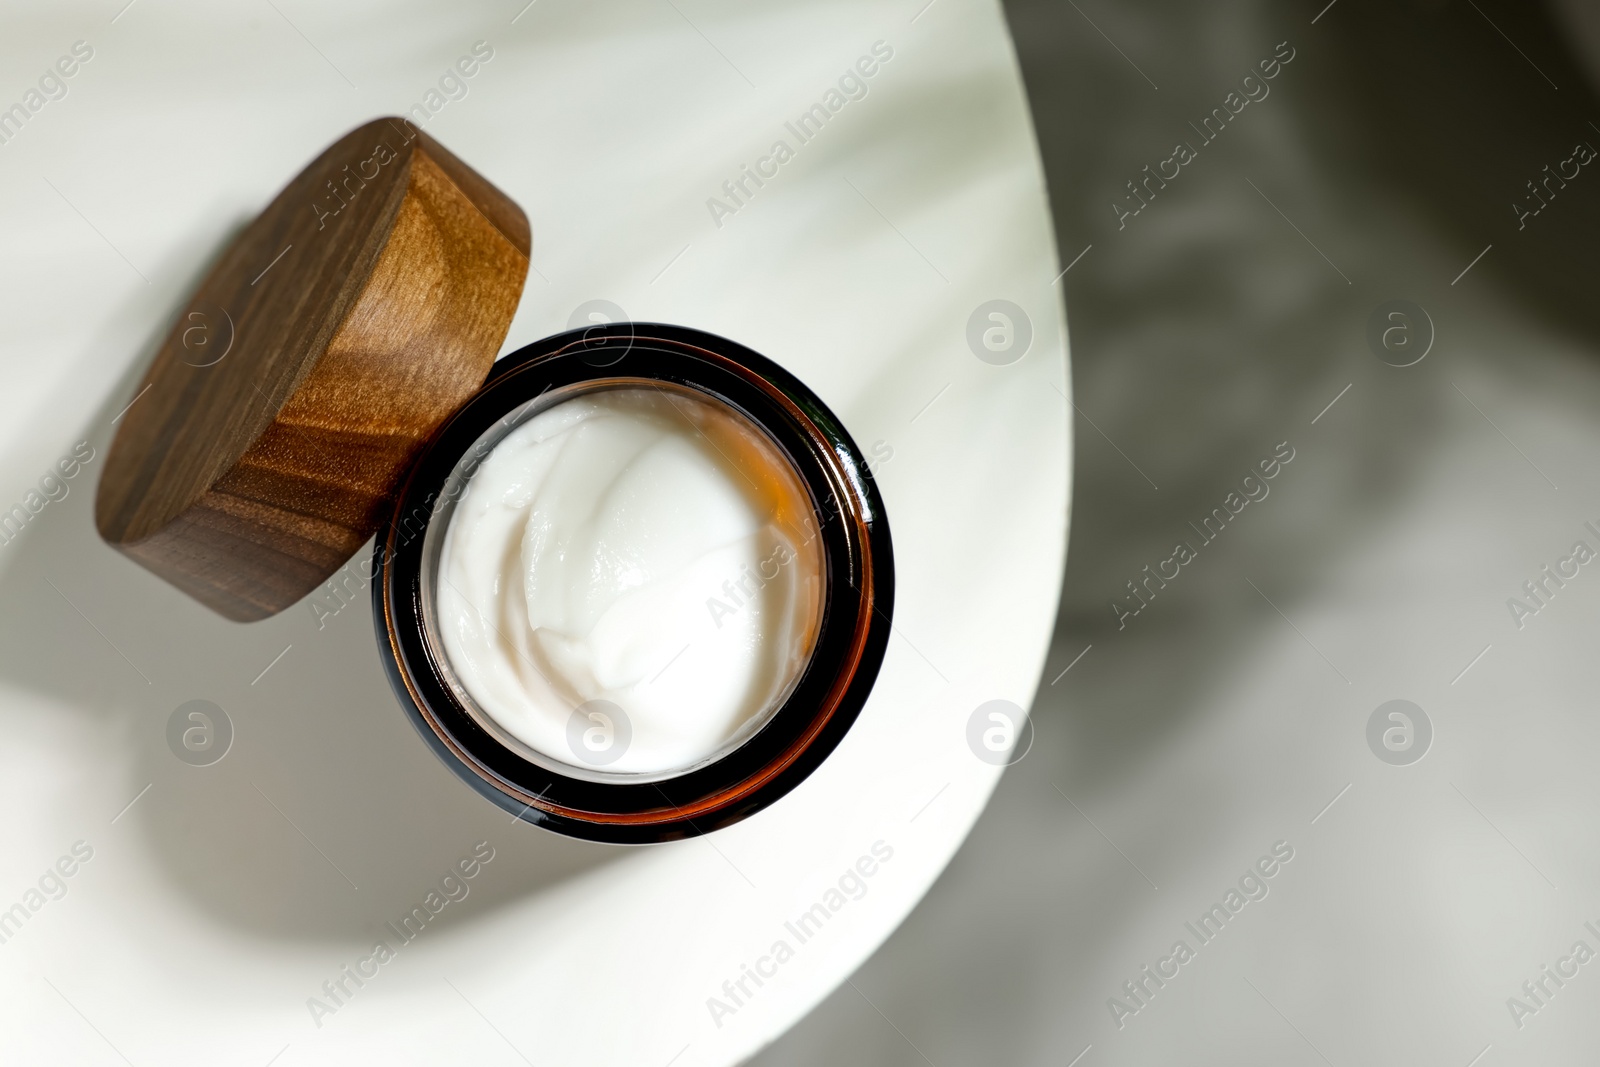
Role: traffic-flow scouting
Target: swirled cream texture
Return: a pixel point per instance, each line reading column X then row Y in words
column 645, row 548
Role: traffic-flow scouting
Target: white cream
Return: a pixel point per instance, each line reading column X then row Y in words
column 638, row 546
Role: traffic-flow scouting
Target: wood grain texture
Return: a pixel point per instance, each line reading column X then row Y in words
column 360, row 310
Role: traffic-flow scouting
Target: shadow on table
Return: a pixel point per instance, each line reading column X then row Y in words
column 327, row 817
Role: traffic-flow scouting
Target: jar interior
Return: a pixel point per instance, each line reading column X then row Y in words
column 622, row 579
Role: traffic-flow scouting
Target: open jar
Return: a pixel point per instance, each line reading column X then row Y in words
column 702, row 756
column 633, row 585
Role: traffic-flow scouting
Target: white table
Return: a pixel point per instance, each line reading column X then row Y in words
column 217, row 903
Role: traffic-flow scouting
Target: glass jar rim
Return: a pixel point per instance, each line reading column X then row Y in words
column 455, row 489
column 856, row 609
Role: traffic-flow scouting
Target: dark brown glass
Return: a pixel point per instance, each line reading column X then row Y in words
column 858, row 590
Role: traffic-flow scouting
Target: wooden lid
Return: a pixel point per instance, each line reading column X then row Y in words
column 329, row 341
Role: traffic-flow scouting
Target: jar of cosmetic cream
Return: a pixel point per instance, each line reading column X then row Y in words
column 634, row 585
column 639, row 586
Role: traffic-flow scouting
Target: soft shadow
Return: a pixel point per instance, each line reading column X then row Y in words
column 328, row 816
column 1202, row 334
column 1461, row 120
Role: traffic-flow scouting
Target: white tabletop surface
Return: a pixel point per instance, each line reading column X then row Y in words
column 219, row 899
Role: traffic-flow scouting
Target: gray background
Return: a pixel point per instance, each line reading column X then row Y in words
column 1227, row 716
